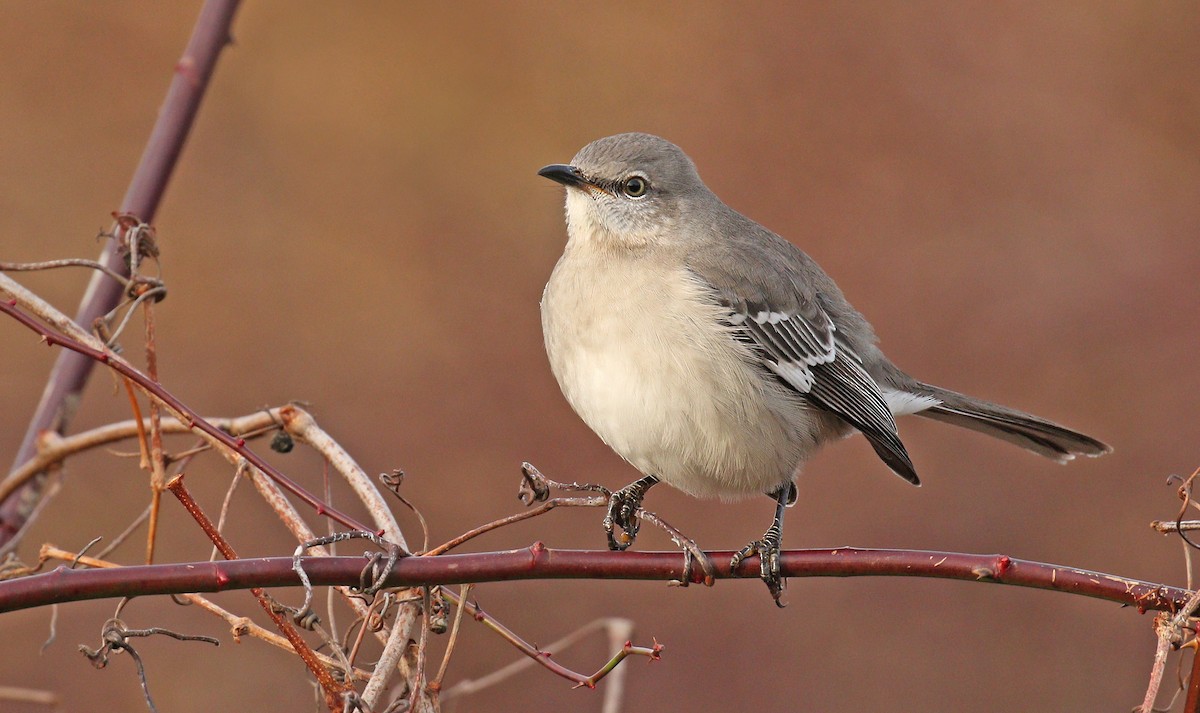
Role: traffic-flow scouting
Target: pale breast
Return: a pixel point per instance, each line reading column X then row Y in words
column 668, row 388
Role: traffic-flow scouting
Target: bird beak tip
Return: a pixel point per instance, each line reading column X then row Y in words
column 564, row 174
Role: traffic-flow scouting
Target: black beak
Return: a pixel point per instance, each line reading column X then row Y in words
column 567, row 175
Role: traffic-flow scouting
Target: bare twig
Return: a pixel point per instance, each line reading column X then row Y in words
column 242, row 468
column 536, row 487
column 547, row 506
column 543, row 656
column 1170, row 634
column 618, row 630
column 239, row 625
column 377, row 577
column 392, row 482
column 332, row 688
column 418, row 696
column 367, row 622
column 111, row 337
column 158, row 468
column 53, row 448
column 436, row 683
column 93, row 349
column 1169, row 526
column 303, row 427
column 179, row 109
column 392, row 657
column 115, row 636
column 394, row 641
column 73, row 262
column 1192, row 702
column 119, row 539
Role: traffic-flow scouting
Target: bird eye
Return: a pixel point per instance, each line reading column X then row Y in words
column 635, row 187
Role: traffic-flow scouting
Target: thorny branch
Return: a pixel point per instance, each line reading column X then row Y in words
column 540, row 562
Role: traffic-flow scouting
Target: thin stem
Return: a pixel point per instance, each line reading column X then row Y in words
column 66, row 262
column 618, row 630
column 55, row 448
column 181, row 411
column 239, row 625
column 1192, row 702
column 539, row 656
column 192, row 73
column 463, row 593
column 333, row 689
column 654, row 653
column 595, row 501
column 1168, row 526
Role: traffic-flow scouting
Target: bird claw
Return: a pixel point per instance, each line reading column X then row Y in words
column 767, row 550
column 622, row 513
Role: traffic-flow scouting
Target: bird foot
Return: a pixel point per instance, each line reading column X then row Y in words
column 622, row 513
column 767, row 550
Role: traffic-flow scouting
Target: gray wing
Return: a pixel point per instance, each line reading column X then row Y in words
column 799, row 344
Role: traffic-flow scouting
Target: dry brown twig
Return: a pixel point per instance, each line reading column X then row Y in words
column 74, row 338
column 300, row 425
column 297, row 422
column 334, row 690
column 618, row 630
column 1170, row 628
column 53, row 448
column 239, row 626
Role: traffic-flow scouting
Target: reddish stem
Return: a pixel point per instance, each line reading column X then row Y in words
column 333, row 689
column 539, row 562
column 1192, row 704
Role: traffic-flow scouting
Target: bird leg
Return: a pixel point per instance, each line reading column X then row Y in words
column 767, row 548
column 622, row 512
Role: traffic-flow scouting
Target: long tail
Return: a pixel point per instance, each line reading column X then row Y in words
column 1026, row 430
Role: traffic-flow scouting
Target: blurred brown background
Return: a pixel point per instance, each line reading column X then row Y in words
column 1010, row 193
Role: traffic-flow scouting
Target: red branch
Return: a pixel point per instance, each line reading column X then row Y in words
column 540, row 562
column 71, row 371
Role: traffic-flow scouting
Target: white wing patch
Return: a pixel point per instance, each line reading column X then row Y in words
column 902, row 403
column 792, row 344
column 798, row 375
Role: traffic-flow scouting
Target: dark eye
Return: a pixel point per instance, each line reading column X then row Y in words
column 635, row 186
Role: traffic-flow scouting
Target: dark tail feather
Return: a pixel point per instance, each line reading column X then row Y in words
column 1025, row 430
column 889, row 448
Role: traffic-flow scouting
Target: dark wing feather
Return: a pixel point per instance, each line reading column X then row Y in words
column 799, row 346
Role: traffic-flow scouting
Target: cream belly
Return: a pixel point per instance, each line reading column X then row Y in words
column 677, row 397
